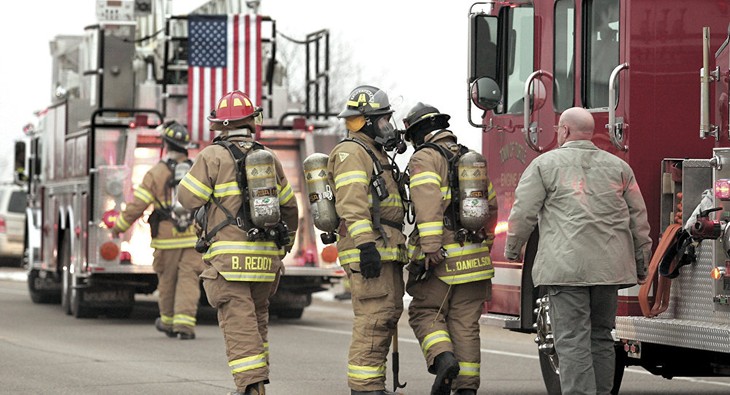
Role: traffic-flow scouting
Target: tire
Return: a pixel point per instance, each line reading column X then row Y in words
column 71, row 295
column 290, row 313
column 40, row 296
column 550, row 376
column 67, row 281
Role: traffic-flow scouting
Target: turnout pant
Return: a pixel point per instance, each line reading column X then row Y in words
column 178, row 287
column 445, row 319
column 243, row 315
column 582, row 319
column 377, row 304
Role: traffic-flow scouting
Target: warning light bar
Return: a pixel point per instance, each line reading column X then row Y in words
column 722, row 189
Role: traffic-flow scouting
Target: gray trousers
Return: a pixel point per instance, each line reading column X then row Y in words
column 582, row 320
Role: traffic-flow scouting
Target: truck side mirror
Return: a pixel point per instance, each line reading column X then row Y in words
column 485, row 93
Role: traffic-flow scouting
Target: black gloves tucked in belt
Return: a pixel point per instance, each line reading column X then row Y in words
column 369, row 260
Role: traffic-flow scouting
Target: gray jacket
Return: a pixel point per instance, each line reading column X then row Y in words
column 591, row 215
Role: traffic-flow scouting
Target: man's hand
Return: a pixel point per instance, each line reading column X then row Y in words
column 369, row 260
column 512, row 256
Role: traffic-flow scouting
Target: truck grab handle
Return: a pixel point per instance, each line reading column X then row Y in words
column 615, row 129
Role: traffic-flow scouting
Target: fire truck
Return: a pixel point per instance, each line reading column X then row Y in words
column 111, row 88
column 634, row 64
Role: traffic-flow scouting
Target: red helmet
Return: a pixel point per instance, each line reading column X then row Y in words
column 233, row 106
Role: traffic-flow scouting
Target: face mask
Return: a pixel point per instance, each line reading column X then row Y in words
column 387, row 136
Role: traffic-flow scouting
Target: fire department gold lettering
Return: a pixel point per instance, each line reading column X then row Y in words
column 468, row 264
column 257, row 263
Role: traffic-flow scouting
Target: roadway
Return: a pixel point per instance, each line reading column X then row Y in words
column 42, row 350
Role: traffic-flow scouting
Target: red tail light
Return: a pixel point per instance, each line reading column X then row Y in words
column 3, row 227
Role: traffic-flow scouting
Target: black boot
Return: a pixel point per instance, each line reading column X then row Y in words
column 255, row 389
column 447, row 368
column 465, row 391
column 164, row 328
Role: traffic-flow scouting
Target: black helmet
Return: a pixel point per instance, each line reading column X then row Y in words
column 424, row 118
column 176, row 136
column 366, row 100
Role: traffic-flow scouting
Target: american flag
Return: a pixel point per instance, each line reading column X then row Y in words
column 224, row 55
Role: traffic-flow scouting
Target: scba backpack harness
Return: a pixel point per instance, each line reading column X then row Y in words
column 181, row 218
column 279, row 232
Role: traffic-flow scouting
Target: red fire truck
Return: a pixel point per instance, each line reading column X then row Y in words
column 634, row 65
column 111, row 88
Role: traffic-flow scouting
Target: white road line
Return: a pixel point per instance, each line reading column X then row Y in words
column 517, row 355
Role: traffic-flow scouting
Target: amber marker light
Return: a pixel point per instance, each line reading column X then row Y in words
column 109, row 251
column 722, row 189
column 717, row 273
column 329, row 254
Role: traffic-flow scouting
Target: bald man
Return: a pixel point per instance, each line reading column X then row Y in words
column 594, row 240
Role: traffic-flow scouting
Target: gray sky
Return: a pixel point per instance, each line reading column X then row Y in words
column 415, row 50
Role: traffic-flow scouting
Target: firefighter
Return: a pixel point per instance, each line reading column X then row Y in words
column 242, row 266
column 371, row 245
column 450, row 269
column 176, row 262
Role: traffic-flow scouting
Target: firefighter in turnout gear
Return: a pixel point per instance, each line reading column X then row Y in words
column 176, row 262
column 449, row 273
column 371, row 243
column 243, row 260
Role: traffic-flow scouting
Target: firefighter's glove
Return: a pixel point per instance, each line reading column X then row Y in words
column 434, row 258
column 369, row 260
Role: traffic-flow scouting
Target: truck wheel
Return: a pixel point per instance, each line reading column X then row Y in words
column 550, row 373
column 549, row 363
column 290, row 313
column 72, row 296
column 40, row 296
column 119, row 312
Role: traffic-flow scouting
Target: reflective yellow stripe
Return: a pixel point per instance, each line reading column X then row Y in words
column 242, row 247
column 468, row 277
column 143, row 195
column 353, row 255
column 365, row 372
column 285, row 194
column 433, row 338
column 255, row 277
column 227, row 189
column 184, row 319
column 351, row 177
column 468, row 369
column 427, row 177
column 121, row 223
column 248, row 363
column 454, row 250
column 361, row 226
column 392, row 200
column 431, row 228
column 196, row 187
column 166, row 319
column 446, row 193
column 349, row 256
column 171, row 244
column 491, row 194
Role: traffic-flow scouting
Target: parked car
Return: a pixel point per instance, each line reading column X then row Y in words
column 12, row 223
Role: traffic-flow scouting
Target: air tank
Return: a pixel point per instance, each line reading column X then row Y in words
column 473, row 191
column 263, row 198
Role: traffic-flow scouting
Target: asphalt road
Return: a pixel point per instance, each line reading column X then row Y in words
column 44, row 351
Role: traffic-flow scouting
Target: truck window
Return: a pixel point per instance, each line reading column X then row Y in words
column 564, row 57
column 520, row 55
column 17, row 202
column 602, row 49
